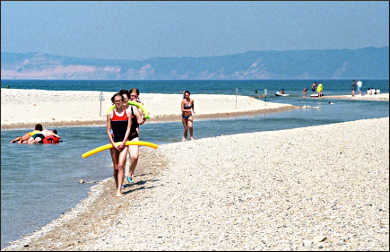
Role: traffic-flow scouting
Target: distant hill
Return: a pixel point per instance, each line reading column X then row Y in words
column 364, row 63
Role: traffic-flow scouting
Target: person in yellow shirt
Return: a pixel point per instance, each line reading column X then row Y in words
column 319, row 89
column 20, row 139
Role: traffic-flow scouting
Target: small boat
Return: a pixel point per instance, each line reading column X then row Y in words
column 279, row 94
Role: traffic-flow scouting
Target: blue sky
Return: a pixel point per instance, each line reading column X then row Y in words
column 141, row 30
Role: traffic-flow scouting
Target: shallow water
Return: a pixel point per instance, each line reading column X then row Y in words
column 39, row 182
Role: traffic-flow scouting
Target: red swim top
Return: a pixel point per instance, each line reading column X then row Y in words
column 119, row 125
column 51, row 140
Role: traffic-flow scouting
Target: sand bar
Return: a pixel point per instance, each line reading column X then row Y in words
column 313, row 188
column 377, row 97
column 23, row 108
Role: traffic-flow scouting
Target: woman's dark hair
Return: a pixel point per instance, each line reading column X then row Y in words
column 184, row 93
column 124, row 91
column 116, row 94
column 134, row 89
column 55, row 131
column 38, row 126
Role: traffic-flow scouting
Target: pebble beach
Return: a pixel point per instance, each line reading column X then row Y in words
column 312, row 188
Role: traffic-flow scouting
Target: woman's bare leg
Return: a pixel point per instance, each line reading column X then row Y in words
column 121, row 168
column 184, row 121
column 114, row 156
column 134, row 154
column 190, row 126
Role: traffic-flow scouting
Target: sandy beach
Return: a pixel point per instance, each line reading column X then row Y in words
column 24, row 108
column 377, row 97
column 312, row 188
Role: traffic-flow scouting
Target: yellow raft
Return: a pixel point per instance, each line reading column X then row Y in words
column 109, row 146
column 146, row 113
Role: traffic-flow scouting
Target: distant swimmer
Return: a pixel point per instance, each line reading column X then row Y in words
column 118, row 130
column 329, row 102
column 187, row 108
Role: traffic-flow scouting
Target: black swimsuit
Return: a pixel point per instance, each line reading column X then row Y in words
column 134, row 125
column 38, row 135
column 119, row 125
column 186, row 107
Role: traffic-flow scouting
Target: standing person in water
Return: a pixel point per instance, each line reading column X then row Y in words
column 119, row 121
column 313, row 87
column 187, row 108
column 137, row 118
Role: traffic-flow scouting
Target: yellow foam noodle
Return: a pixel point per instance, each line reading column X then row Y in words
column 146, row 113
column 109, row 146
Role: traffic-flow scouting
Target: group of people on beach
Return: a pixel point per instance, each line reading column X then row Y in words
column 38, row 136
column 359, row 86
column 123, row 124
column 315, row 88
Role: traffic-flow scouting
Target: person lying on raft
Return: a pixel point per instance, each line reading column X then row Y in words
column 20, row 139
column 46, row 136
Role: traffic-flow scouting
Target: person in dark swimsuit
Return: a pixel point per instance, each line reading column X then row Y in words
column 353, row 87
column 118, row 130
column 187, row 108
column 137, row 119
column 314, row 87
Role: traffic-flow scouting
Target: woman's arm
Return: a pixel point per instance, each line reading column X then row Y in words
column 142, row 116
column 182, row 106
column 138, row 115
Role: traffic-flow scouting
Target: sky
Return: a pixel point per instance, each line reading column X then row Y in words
column 142, row 30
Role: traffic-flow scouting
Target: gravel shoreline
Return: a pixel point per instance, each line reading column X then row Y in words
column 312, row 188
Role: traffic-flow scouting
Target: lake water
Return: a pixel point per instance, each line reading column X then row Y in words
column 40, row 182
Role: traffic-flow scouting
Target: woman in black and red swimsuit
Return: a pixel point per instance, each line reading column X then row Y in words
column 119, row 122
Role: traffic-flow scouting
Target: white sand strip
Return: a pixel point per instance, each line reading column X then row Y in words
column 23, row 108
column 377, row 97
column 321, row 187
